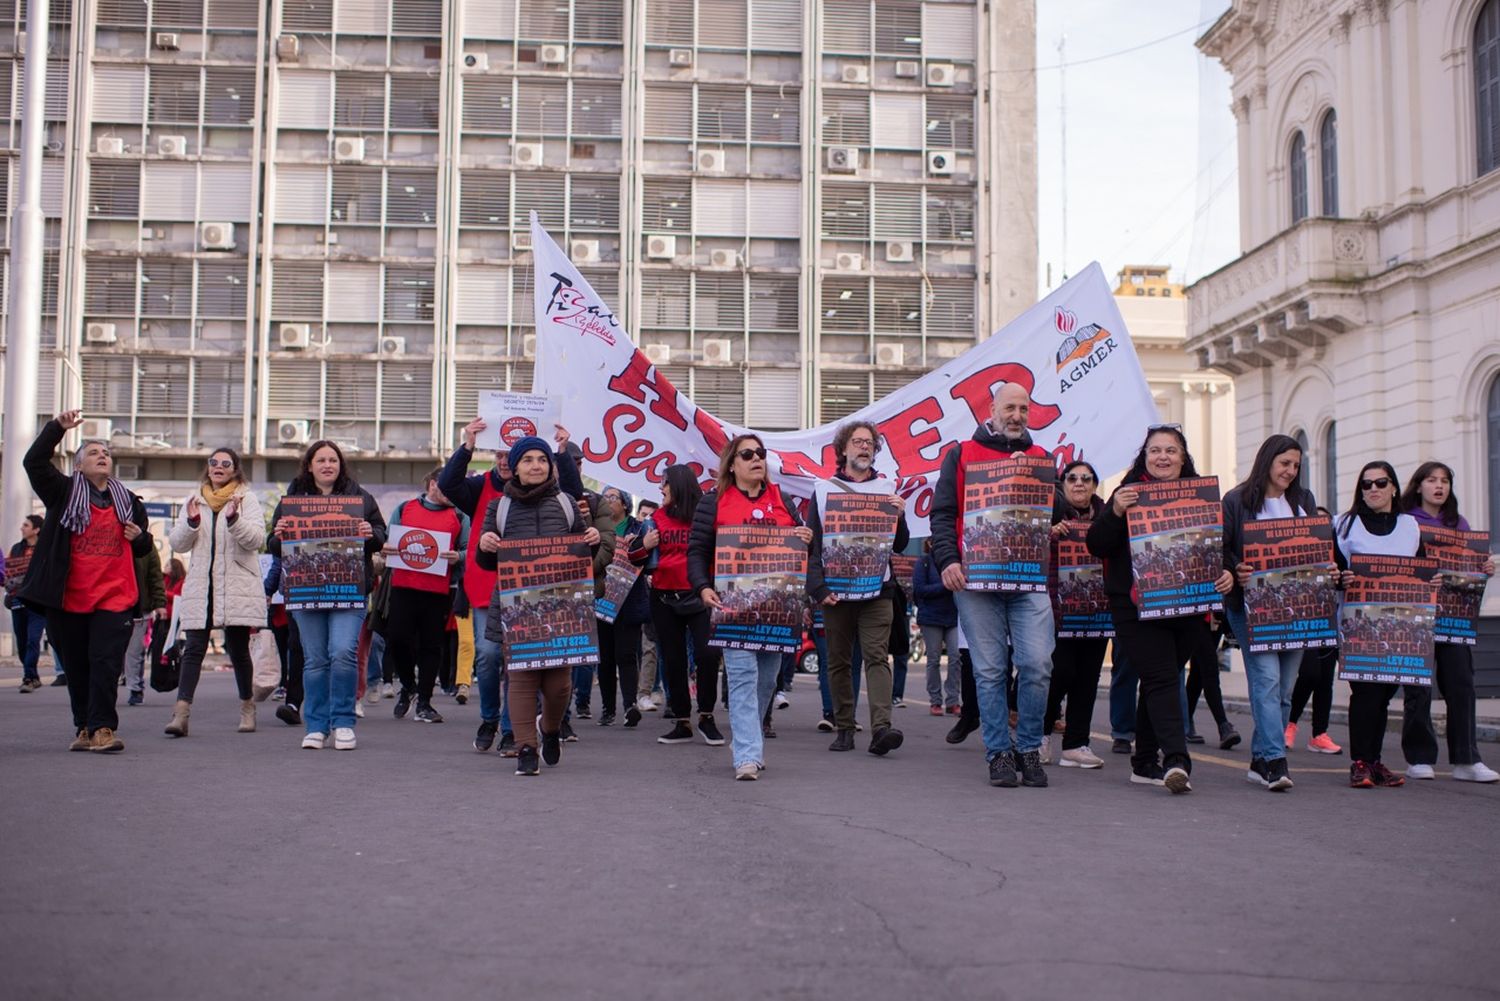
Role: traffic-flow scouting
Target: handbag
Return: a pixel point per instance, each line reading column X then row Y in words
column 266, row 659
column 683, row 603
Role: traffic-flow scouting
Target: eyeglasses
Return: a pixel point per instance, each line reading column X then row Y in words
column 867, row 442
column 220, row 463
column 751, row 453
column 1376, row 484
column 1078, row 478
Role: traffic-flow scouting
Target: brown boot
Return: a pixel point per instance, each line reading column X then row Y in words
column 247, row 716
column 179, row 725
column 105, row 741
column 82, row 742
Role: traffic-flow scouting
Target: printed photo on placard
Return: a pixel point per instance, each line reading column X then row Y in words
column 16, row 567
column 1176, row 546
column 1292, row 600
column 619, row 577
column 1386, row 622
column 903, row 570
column 859, row 529
column 544, row 602
column 760, row 574
column 1082, row 607
column 323, row 574
column 1461, row 557
column 1007, row 523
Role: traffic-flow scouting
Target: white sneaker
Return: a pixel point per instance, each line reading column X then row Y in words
column 782, row 701
column 388, row 691
column 359, row 709
column 1081, row 757
column 314, row 741
column 372, row 695
column 1420, row 772
column 645, row 705
column 1046, row 749
column 1477, row 772
column 343, row 738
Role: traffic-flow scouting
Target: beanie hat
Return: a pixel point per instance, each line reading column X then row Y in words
column 530, row 443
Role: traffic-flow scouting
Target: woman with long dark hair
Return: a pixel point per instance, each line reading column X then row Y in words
column 678, row 611
column 1429, row 498
column 1157, row 648
column 28, row 625
column 330, row 637
column 1372, row 525
column 1272, row 490
column 1076, row 662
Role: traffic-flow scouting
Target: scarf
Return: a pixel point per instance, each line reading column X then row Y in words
column 216, row 498
column 530, row 495
column 79, row 512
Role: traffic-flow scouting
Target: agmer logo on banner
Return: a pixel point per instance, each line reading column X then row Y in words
column 632, row 423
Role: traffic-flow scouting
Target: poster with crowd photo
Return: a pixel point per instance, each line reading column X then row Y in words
column 760, row 574
column 1292, row 600
column 903, row 572
column 859, row 530
column 619, row 577
column 1176, row 546
column 16, row 567
column 1386, row 624
column 1461, row 557
column 322, row 554
column 1082, row 605
column 1007, row 523
column 544, row 594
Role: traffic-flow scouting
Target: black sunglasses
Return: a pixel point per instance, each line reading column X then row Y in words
column 1078, row 478
column 751, row 453
column 1376, row 484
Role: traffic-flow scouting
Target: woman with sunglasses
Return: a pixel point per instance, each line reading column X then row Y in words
column 1372, row 525
column 743, row 495
column 1272, row 490
column 1429, row 498
column 220, row 525
column 1076, row 662
column 1157, row 648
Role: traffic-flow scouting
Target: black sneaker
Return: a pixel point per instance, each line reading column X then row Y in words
column 427, row 714
column 1032, row 773
column 680, row 733
column 606, row 718
column 136, row 698
column 632, row 718
column 1148, row 775
column 507, row 744
column 403, row 703
column 1120, row 746
column 1003, row 771
column 527, row 762
column 961, row 730
column 582, row 712
column 1228, row 735
column 1280, row 780
column 767, row 731
column 1176, row 780
column 484, row 737
column 825, row 725
column 568, row 736
column 59, row 681
column 885, row 740
column 1259, row 773
column 842, row 741
column 461, row 695
column 1194, row 737
column 288, row 714
column 708, row 730
column 552, row 748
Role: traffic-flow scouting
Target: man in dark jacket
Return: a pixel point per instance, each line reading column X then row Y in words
column 1004, row 629
column 150, row 607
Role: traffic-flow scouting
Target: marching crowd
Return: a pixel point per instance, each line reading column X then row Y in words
column 94, row 585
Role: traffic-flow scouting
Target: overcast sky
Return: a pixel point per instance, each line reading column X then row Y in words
column 1151, row 163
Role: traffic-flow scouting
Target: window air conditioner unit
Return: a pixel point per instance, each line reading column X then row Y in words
column 288, row 48
column 939, row 162
column 295, row 336
column 941, row 75
column 716, row 351
column 661, row 247
column 842, row 159
column 109, row 146
column 393, row 345
column 584, row 251
column 99, row 333
column 899, row 251
column 908, row 69
column 710, row 161
column 724, row 258
column 168, row 41
column 552, row 55
column 476, row 62
column 848, row 262
column 680, row 57
column 855, row 73
column 658, row 354
column 349, row 149
column 528, row 346
column 890, row 355
column 216, row 235
column 128, row 471
column 97, row 427
column 292, row 432
column 171, row 145
column 521, row 241
column 527, row 155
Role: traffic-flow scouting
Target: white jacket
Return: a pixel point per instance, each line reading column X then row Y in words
column 231, row 554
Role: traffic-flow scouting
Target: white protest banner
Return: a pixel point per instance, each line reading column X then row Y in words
column 1089, row 398
column 419, row 550
column 513, row 416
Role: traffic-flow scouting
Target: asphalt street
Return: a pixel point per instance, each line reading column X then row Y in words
column 229, row 866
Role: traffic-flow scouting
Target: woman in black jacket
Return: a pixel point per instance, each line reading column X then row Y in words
column 1076, row 661
column 330, row 637
column 82, row 574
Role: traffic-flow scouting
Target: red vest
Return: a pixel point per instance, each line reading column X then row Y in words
column 414, row 514
column 973, row 451
column 101, row 572
column 768, row 509
column 671, row 560
column 478, row 583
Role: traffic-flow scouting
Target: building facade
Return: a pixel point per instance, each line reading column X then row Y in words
column 273, row 222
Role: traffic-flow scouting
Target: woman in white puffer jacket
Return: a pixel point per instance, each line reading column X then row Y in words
column 221, row 526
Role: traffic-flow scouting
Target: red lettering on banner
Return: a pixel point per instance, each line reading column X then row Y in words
column 640, row 376
column 801, row 464
column 906, row 443
column 634, row 420
column 711, row 430
column 978, row 391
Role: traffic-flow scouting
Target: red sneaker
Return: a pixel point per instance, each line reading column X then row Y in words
column 955, row 710
column 1383, row 776
column 1321, row 744
column 1291, row 736
column 1359, row 775
column 935, row 710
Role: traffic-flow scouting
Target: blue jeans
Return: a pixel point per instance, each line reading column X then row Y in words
column 583, row 685
column 1122, row 683
column 1006, row 629
column 377, row 659
column 752, row 678
column 330, row 666
column 1271, row 676
column 29, row 628
column 489, row 674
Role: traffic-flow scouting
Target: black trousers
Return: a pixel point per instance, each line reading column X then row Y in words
column 619, row 663
column 969, row 709
column 416, row 637
column 673, row 634
column 1203, row 678
column 1455, row 682
column 236, row 641
column 294, row 661
column 1315, row 681
column 92, row 648
column 1076, row 664
column 1369, row 711
column 1158, row 649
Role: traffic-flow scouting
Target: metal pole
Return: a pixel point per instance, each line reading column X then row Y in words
column 23, row 334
